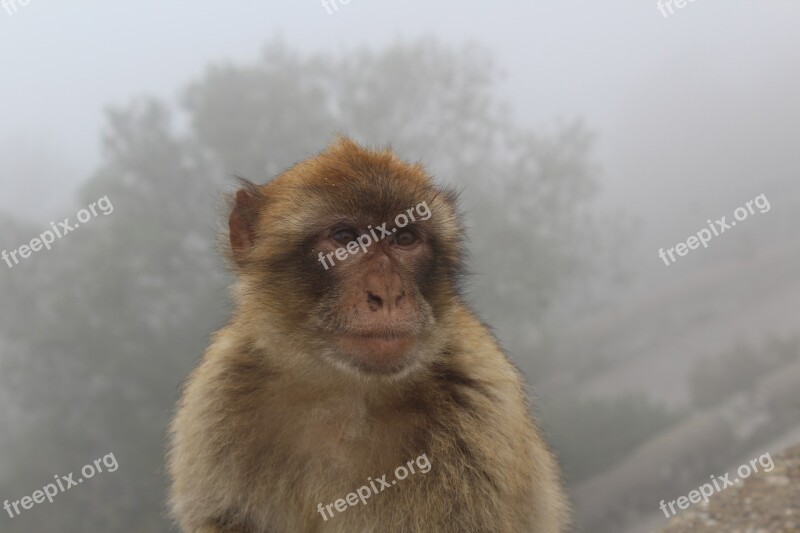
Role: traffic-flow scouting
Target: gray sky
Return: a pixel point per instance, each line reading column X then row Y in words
column 688, row 108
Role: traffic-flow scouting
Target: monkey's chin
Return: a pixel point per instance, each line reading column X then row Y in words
column 377, row 355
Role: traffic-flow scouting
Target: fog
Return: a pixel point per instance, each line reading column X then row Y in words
column 613, row 132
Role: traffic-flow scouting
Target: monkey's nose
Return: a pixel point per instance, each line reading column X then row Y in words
column 374, row 301
column 387, row 299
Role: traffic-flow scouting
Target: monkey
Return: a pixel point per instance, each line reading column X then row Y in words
column 346, row 357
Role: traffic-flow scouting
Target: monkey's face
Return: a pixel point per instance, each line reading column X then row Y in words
column 354, row 254
column 373, row 306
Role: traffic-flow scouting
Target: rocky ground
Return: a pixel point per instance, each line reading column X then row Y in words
column 763, row 503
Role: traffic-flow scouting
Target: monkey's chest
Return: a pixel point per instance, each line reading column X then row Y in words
column 338, row 428
column 348, row 434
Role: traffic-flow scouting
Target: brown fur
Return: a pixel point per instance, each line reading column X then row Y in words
column 271, row 423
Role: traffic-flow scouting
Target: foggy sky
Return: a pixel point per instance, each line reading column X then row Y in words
column 692, row 111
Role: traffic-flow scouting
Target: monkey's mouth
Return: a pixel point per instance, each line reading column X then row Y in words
column 378, row 352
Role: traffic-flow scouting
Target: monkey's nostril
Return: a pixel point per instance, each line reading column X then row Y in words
column 375, row 302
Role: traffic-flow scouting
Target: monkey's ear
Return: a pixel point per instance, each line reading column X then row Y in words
column 243, row 220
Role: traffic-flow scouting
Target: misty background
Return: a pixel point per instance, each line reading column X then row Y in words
column 584, row 137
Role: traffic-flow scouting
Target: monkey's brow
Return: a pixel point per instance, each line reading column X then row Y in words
column 330, row 222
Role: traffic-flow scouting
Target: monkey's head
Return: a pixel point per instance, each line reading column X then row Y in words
column 352, row 255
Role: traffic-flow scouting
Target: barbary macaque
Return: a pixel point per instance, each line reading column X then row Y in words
column 346, row 358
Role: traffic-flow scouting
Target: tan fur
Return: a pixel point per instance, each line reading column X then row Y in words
column 266, row 429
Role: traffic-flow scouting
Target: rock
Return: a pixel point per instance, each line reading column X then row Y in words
column 765, row 502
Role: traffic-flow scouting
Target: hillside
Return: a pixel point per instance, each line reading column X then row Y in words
column 650, row 344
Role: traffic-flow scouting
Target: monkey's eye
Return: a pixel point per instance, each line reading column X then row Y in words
column 405, row 237
column 344, row 235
